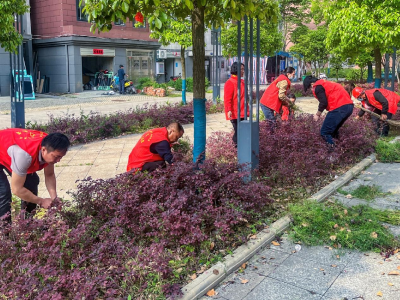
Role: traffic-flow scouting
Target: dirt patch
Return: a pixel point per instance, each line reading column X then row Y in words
column 307, row 105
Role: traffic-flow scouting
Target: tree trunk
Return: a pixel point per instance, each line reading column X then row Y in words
column 199, row 74
column 378, row 67
column 183, row 75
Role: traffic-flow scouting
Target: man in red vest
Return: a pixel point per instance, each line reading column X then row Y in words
column 336, row 100
column 154, row 148
column 380, row 101
column 231, row 100
column 23, row 153
column 275, row 95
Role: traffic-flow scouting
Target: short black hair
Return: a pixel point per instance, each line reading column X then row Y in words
column 307, row 82
column 176, row 125
column 56, row 141
column 121, row 66
column 291, row 96
column 234, row 68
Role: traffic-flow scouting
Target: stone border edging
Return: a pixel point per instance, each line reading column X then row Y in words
column 206, row 281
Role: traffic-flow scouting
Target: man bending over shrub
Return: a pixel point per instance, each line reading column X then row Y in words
column 22, row 154
column 154, row 148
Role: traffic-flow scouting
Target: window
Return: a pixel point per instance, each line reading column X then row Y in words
column 119, row 23
column 139, row 26
column 82, row 16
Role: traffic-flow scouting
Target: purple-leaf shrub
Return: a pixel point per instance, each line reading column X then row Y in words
column 296, row 154
column 123, row 233
column 86, row 128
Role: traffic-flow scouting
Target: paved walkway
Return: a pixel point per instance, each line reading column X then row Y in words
column 281, row 272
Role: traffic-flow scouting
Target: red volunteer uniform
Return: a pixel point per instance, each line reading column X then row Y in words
column 270, row 97
column 141, row 153
column 28, row 140
column 335, row 93
column 230, row 97
column 392, row 98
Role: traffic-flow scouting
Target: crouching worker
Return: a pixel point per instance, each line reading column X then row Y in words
column 154, row 148
column 379, row 101
column 336, row 100
column 22, row 154
column 286, row 111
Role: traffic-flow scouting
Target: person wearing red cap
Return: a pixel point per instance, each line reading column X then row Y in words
column 380, row 101
column 336, row 100
column 23, row 153
column 230, row 98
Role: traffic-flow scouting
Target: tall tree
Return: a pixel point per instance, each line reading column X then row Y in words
column 177, row 31
column 10, row 39
column 364, row 24
column 293, row 13
column 202, row 13
column 312, row 47
column 270, row 39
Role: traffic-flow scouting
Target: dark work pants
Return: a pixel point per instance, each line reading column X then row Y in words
column 31, row 183
column 382, row 128
column 122, row 86
column 151, row 166
column 333, row 121
column 235, row 124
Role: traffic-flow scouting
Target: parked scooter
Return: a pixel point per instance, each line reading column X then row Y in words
column 129, row 88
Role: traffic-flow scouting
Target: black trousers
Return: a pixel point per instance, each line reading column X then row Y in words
column 31, row 183
column 151, row 166
column 234, row 124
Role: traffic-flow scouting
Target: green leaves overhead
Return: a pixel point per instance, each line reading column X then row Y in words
column 10, row 39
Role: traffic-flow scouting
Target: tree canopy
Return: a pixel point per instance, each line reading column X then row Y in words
column 10, row 39
column 270, row 39
column 367, row 24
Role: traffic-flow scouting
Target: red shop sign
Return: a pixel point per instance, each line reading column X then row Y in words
column 98, row 51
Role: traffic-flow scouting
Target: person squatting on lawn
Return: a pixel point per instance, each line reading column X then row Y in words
column 286, row 111
column 336, row 100
column 380, row 101
column 275, row 95
column 154, row 148
column 22, row 154
column 230, row 98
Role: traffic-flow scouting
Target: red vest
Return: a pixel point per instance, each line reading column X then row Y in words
column 391, row 97
column 335, row 93
column 141, row 153
column 28, row 140
column 270, row 97
column 230, row 98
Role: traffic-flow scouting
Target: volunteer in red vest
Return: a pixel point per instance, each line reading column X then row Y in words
column 22, row 154
column 275, row 95
column 336, row 100
column 154, row 148
column 231, row 100
column 380, row 101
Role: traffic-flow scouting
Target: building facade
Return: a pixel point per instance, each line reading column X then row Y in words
column 72, row 58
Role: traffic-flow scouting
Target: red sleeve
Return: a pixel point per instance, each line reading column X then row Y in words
column 228, row 95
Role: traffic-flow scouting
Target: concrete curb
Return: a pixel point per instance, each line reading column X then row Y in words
column 325, row 192
column 217, row 273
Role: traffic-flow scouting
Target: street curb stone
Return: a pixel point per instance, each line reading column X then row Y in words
column 206, row 281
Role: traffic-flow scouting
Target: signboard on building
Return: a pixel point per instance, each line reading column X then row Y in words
column 97, row 52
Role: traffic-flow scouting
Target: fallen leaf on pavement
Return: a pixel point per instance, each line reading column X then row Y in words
column 398, row 267
column 193, row 277
column 379, row 294
column 391, row 284
column 348, row 196
column 203, row 268
column 374, row 235
column 211, row 293
column 253, row 237
column 244, row 281
column 334, row 266
column 244, row 266
column 322, row 269
column 394, row 273
column 216, row 272
column 275, row 243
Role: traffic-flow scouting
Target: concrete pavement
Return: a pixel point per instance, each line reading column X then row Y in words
column 281, row 272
